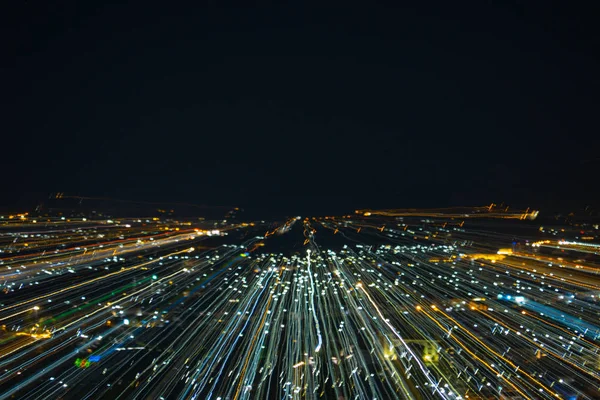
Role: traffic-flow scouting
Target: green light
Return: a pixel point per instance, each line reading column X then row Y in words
column 154, row 277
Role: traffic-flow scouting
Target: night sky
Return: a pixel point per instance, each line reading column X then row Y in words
column 297, row 108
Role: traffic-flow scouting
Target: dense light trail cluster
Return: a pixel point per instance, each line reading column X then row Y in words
column 350, row 307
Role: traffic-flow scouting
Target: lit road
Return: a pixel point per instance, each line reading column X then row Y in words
column 373, row 305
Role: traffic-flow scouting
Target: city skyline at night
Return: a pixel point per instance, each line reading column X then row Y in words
column 221, row 201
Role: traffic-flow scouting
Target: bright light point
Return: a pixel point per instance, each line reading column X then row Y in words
column 126, row 321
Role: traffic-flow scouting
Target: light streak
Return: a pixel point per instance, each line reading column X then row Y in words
column 424, row 307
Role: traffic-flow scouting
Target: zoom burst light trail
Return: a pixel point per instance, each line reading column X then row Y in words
column 364, row 306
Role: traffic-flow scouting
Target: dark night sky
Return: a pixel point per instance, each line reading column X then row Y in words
column 294, row 108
